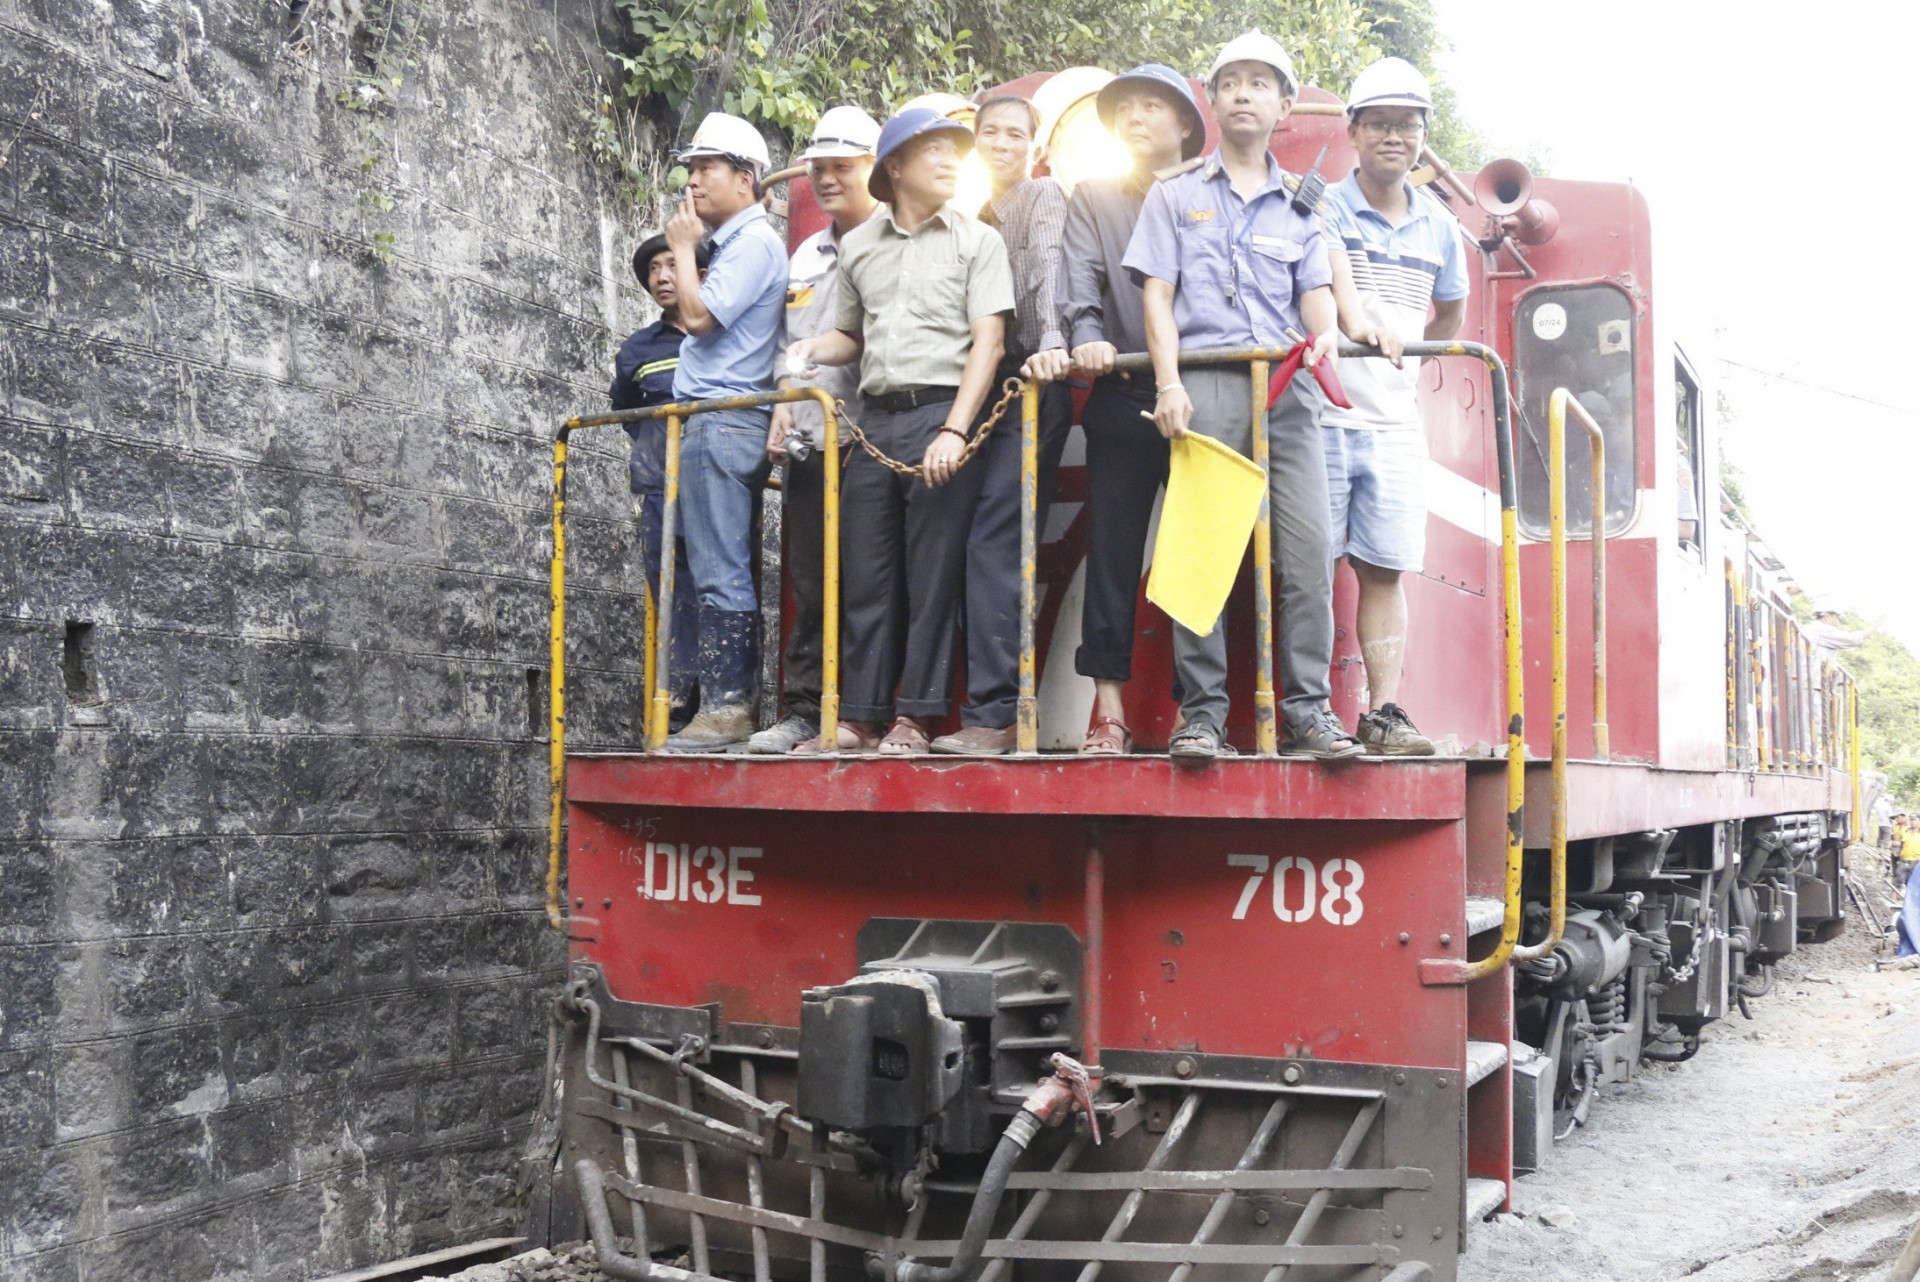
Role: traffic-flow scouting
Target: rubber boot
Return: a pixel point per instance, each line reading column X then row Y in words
column 729, row 669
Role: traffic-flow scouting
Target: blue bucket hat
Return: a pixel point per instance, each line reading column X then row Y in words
column 1165, row 78
column 902, row 128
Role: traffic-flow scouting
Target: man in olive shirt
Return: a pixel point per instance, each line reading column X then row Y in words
column 924, row 294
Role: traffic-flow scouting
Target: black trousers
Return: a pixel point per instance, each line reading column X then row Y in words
column 993, row 557
column 1126, row 466
column 903, row 558
column 803, row 520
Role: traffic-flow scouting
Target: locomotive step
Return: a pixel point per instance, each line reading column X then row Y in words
column 1483, row 1060
column 1484, row 1198
column 1484, row 914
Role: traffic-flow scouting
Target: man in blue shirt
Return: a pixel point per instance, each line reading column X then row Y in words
column 643, row 375
column 1225, row 261
column 732, row 320
column 1409, row 278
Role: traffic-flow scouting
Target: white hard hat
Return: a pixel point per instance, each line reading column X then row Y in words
column 729, row 137
column 1390, row 82
column 1257, row 46
column 842, row 131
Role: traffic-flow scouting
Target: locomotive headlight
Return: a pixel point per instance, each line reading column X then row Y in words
column 1078, row 146
column 1081, row 147
column 975, row 187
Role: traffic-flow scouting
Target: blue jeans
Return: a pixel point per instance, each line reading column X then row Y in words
column 682, row 667
column 723, row 464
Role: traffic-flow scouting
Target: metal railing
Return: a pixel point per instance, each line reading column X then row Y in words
column 659, row 625
column 1259, row 361
column 1559, row 406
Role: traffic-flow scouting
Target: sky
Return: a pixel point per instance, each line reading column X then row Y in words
column 1776, row 147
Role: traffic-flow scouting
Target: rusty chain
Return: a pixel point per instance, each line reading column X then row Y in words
column 1010, row 389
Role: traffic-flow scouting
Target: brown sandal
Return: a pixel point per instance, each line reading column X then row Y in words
column 905, row 739
column 1107, row 738
column 851, row 737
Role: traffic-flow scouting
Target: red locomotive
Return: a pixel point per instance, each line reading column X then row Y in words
column 829, row 1015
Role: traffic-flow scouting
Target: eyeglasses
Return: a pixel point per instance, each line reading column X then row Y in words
column 1397, row 128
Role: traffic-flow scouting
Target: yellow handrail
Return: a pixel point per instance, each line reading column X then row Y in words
column 661, row 624
column 1557, row 407
column 1443, row 970
column 1026, row 716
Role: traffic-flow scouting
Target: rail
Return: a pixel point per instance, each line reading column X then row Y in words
column 659, row 623
column 1557, row 407
column 1258, row 360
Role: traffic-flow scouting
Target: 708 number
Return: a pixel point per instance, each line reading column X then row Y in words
column 1300, row 889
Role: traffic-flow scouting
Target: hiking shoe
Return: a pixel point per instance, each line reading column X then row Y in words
column 1389, row 732
column 977, row 741
column 1323, row 737
column 713, row 731
column 779, row 739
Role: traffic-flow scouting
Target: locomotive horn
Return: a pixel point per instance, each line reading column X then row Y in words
column 1504, row 188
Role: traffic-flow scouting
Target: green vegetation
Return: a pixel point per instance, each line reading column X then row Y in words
column 779, row 62
column 1888, row 676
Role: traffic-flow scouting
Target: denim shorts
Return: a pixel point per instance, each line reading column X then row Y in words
column 1377, row 488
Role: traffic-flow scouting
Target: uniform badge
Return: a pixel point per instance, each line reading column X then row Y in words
column 800, row 296
column 1200, row 215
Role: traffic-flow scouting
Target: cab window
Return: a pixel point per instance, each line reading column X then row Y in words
column 1579, row 337
column 1690, row 487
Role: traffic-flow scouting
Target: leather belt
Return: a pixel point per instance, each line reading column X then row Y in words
column 909, row 398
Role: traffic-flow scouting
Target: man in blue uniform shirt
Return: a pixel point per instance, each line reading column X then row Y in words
column 643, row 375
column 1225, row 261
column 732, row 319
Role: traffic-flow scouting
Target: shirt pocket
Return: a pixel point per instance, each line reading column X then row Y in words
column 1206, row 254
column 1277, row 249
column 937, row 290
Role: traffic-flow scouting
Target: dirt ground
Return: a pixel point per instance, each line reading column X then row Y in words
column 1787, row 1150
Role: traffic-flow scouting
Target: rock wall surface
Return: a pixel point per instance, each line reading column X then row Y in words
column 290, row 296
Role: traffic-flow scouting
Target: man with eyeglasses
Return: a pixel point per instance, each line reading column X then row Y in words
column 925, row 291
column 1408, row 282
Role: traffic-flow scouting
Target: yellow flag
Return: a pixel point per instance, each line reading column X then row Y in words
column 1213, row 500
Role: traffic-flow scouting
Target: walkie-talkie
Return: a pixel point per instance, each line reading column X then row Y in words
column 1306, row 197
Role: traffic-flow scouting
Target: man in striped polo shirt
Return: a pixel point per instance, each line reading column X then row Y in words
column 1409, row 282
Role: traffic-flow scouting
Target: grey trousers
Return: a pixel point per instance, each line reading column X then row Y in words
column 1302, row 560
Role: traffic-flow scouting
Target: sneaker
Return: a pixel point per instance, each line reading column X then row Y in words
column 1323, row 737
column 780, row 739
column 713, row 731
column 977, row 741
column 1389, row 732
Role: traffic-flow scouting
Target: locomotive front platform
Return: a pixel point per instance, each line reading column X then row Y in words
column 797, row 980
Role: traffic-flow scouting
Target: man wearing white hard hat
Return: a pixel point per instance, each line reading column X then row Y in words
column 1226, row 261
column 1409, row 277
column 839, row 158
column 732, row 321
